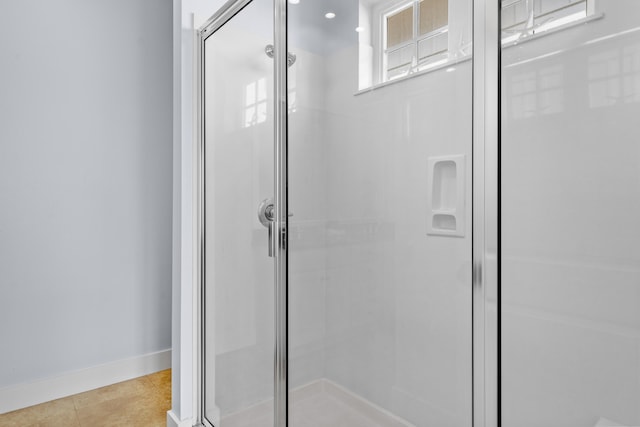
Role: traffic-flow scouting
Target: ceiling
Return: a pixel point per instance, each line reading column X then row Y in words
column 310, row 30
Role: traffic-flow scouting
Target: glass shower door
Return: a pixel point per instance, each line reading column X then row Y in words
column 380, row 294
column 377, row 169
column 570, row 213
column 238, row 283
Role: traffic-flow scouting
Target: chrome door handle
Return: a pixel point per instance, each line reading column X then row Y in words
column 266, row 216
column 272, row 240
column 266, row 212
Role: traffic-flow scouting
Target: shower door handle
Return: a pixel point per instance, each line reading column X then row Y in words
column 266, row 218
column 266, row 214
column 272, row 240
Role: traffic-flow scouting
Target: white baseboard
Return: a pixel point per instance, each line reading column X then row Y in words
column 23, row 395
column 173, row 421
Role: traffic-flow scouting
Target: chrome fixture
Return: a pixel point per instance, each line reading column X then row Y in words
column 265, row 212
column 266, row 216
column 291, row 57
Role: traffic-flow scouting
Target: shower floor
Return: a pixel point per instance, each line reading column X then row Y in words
column 321, row 403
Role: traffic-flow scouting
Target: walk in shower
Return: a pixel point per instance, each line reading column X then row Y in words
column 420, row 213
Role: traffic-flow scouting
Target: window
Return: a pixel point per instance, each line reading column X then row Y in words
column 415, row 34
column 398, row 38
column 524, row 18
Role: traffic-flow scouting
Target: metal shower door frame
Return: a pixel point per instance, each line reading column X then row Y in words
column 485, row 213
column 281, row 257
column 485, row 229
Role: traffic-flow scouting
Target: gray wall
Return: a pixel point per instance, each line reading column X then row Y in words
column 85, row 183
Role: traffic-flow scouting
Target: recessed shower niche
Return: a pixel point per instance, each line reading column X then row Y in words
column 445, row 198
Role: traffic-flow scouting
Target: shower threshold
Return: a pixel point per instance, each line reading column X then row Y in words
column 321, row 403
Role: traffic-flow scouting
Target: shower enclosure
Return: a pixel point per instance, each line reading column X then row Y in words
column 420, row 213
column 570, row 208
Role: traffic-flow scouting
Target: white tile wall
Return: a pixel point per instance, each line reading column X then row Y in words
column 571, row 203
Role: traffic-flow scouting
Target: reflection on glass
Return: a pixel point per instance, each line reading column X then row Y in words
column 256, row 103
column 614, row 77
column 525, row 18
column 537, row 92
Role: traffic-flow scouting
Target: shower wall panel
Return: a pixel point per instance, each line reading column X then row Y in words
column 308, row 214
column 570, row 229
column 398, row 302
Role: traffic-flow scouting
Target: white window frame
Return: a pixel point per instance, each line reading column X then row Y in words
column 383, row 52
column 457, row 30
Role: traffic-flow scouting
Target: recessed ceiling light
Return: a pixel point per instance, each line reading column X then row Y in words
column 450, row 69
column 294, row 1
column 329, row 15
column 359, row 29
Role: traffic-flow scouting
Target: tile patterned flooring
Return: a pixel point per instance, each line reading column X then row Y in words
column 319, row 404
column 141, row 402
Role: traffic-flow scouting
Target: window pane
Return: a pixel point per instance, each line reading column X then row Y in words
column 432, row 45
column 434, row 14
column 399, row 61
column 400, row 27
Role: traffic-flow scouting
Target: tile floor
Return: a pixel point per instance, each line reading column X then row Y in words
column 141, row 402
column 319, row 404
